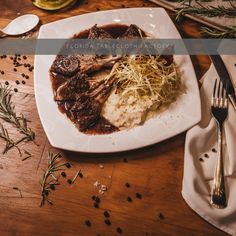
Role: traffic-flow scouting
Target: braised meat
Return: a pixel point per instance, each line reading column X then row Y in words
column 85, row 112
column 98, row 33
column 132, row 32
column 66, row 65
column 77, row 84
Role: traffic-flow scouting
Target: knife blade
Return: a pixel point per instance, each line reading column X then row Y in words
column 224, row 77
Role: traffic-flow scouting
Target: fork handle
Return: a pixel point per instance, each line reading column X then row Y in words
column 218, row 196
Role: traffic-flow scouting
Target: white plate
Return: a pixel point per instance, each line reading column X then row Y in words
column 62, row 133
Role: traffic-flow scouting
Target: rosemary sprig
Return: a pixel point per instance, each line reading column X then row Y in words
column 49, row 178
column 9, row 142
column 209, row 11
column 8, row 114
column 227, row 32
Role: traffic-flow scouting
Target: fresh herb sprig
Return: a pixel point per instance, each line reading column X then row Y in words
column 227, row 32
column 9, row 115
column 209, row 11
column 49, row 179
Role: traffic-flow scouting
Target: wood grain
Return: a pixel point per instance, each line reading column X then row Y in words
column 155, row 171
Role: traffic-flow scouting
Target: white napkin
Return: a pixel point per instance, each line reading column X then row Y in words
column 200, row 158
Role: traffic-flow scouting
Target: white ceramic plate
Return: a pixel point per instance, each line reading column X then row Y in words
column 61, row 132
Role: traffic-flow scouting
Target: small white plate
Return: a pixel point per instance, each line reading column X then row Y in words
column 62, row 133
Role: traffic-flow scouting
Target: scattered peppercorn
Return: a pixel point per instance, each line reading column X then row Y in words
column 129, row 199
column 11, row 58
column 15, row 69
column 27, row 77
column 123, row 6
column 98, row 9
column 2, row 72
column 15, row 90
column 96, row 199
column 119, row 230
column 206, row 155
column 138, row 195
column 68, row 165
column 69, row 181
column 23, row 75
column 161, row 216
column 214, row 150
column 88, row 223
column 106, row 214
column 23, row 82
column 107, row 222
column 80, row 175
column 96, row 205
column 200, row 159
column 25, row 65
column 63, row 174
column 6, row 83
column 17, row 82
column 127, row 185
column 24, row 57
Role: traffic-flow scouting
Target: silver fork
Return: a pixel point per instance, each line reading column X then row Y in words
column 219, row 110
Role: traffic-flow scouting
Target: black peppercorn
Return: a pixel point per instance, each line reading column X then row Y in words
column 96, row 205
column 27, row 77
column 107, row 222
column 24, row 57
column 6, row 83
column 15, row 69
column 129, row 199
column 17, row 82
column 119, row 230
column 127, row 185
column 23, row 82
column 161, row 216
column 68, row 165
column 138, row 195
column 106, row 214
column 15, row 90
column 80, row 175
column 69, row 181
column 63, row 174
column 88, row 223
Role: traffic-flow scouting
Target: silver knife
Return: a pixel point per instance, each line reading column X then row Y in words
column 224, row 77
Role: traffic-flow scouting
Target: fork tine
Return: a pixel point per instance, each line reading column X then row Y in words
column 219, row 88
column 214, row 90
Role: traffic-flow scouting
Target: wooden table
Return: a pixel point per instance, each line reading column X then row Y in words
column 155, row 171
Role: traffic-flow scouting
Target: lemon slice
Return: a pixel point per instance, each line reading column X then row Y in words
column 53, row 4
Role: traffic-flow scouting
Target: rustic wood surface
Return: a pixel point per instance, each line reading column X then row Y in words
column 155, row 171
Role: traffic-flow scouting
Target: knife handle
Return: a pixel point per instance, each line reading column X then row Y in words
column 232, row 99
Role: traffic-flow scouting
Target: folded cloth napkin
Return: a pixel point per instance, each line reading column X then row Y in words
column 201, row 154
